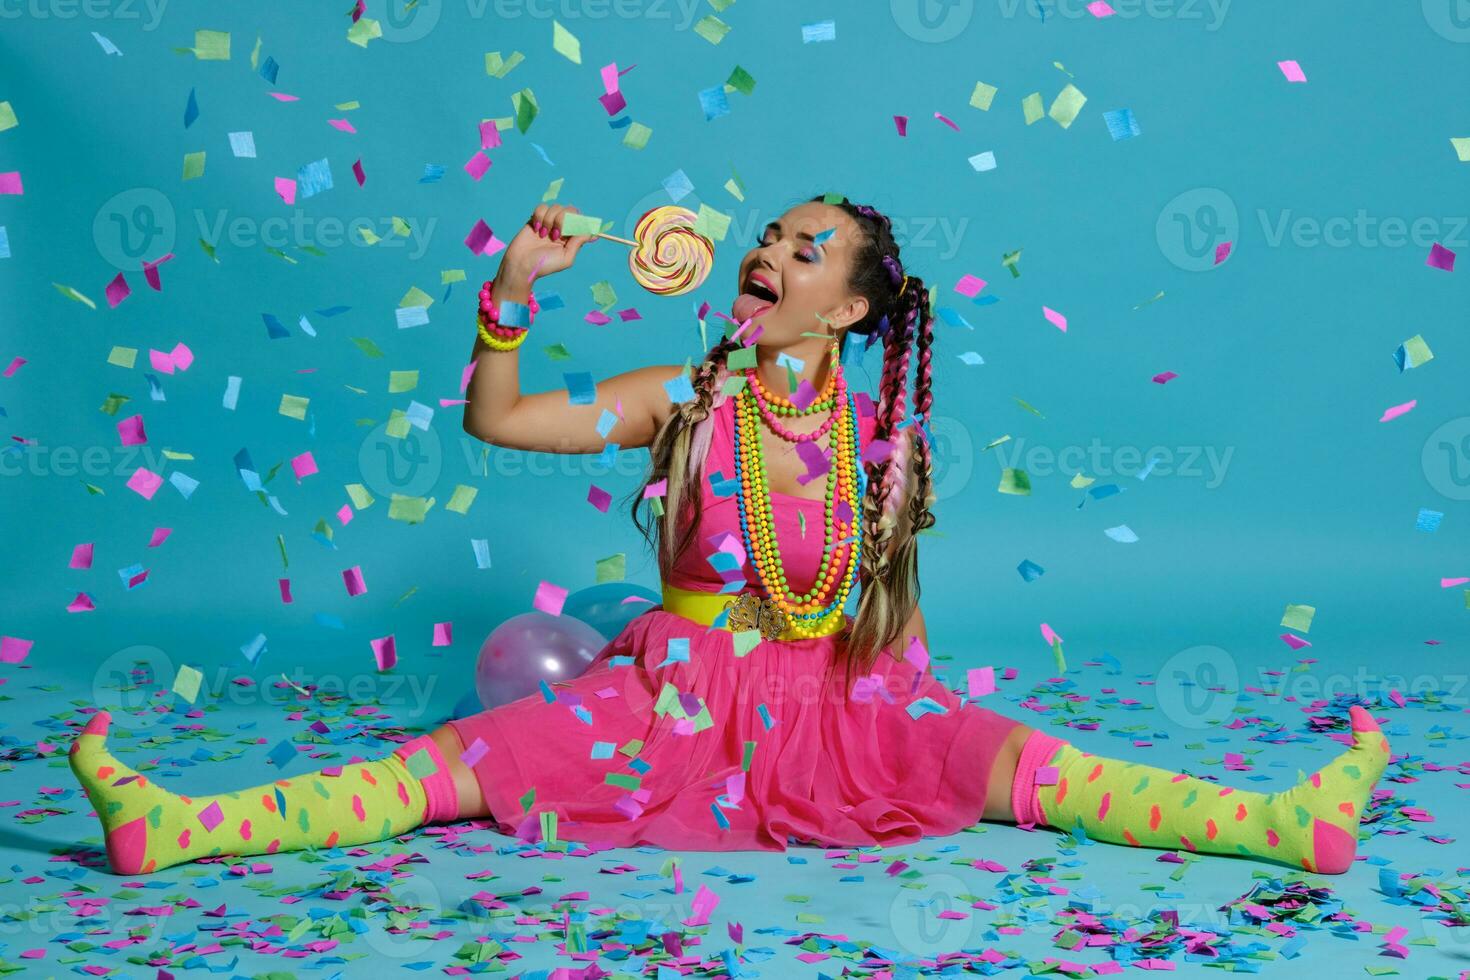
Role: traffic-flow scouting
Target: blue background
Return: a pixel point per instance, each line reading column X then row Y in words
column 1284, row 351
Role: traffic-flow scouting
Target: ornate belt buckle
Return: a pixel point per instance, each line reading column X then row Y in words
column 752, row 612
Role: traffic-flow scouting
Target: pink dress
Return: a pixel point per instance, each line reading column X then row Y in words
column 826, row 767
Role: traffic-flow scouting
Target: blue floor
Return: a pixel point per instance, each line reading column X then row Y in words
column 992, row 901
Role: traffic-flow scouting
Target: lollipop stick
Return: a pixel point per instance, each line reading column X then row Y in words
column 615, row 238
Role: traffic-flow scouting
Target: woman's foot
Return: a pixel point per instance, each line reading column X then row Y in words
column 1317, row 820
column 134, row 812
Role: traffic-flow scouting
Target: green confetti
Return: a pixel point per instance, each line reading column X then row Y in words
column 193, row 165
column 553, row 190
column 1027, row 406
column 603, row 295
column 564, row 43
column 447, row 276
column 711, row 223
column 461, row 499
column 416, row 297
column 1015, row 481
column 558, row 352
column 526, row 108
column 1298, row 617
column 637, row 136
column 366, row 345
column 7, row 117
column 123, row 357
column 293, row 407
column 579, row 224
column 740, row 81
column 401, row 381
column 358, row 494
column 70, row 293
column 114, row 402
column 1067, row 105
column 212, row 45
column 365, row 29
column 983, row 96
column 613, row 568
column 498, row 67
column 1031, row 106
column 411, row 510
column 281, row 544
column 711, row 28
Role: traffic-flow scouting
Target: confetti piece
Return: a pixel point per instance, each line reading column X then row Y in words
column 1122, row 533
column 1397, row 410
column 1056, row 319
column 1440, row 258
column 1066, row 106
column 981, row 162
column 549, row 598
column 385, row 652
column 1164, row 377
column 1292, row 71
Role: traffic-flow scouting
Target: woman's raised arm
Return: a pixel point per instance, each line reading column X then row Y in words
column 496, row 410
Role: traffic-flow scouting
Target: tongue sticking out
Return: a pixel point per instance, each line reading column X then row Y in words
column 747, row 305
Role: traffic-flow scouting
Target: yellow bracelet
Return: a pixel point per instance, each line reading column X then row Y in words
column 495, row 343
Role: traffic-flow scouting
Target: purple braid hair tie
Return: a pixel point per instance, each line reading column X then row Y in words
column 895, row 271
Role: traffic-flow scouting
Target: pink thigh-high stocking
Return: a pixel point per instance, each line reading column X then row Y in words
column 1313, row 825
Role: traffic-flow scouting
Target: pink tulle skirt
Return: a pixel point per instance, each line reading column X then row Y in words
column 716, row 751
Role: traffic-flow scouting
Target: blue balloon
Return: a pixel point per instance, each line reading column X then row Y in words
column 602, row 606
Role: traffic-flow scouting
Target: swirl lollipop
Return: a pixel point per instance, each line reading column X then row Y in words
column 669, row 256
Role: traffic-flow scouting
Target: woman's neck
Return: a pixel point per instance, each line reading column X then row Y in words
column 813, row 354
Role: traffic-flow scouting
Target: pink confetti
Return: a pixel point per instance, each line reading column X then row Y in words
column 286, row 188
column 357, row 172
column 1057, row 320
column 160, row 535
column 969, row 285
column 160, row 361
column 354, row 581
column 981, row 681
column 385, row 651
column 82, row 603
column 303, row 465
column 482, row 241
column 1222, row 252
column 1294, row 641
column 81, row 556
column 550, row 598
column 443, row 634
column 474, row 753
column 1164, row 377
column 144, row 483
column 597, row 318
column 344, row 514
column 877, row 451
column 118, row 290
column 1048, row 634
column 598, row 497
column 130, row 431
column 341, row 124
column 211, row 816
column 1292, row 71
column 902, row 122
column 489, row 135
column 285, row 585
column 15, row 366
column 947, row 121
column 476, row 165
column 1100, row 8
column 283, row 97
column 10, row 183
column 1398, row 410
column 182, row 356
column 1440, row 258
column 1449, row 583
column 13, row 649
column 150, row 272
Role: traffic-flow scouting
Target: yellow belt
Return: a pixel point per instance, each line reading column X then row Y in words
column 748, row 611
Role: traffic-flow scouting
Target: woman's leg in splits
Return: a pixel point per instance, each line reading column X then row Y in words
column 148, row 828
column 1313, row 825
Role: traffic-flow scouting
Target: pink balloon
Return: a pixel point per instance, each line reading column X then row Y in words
column 530, row 648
